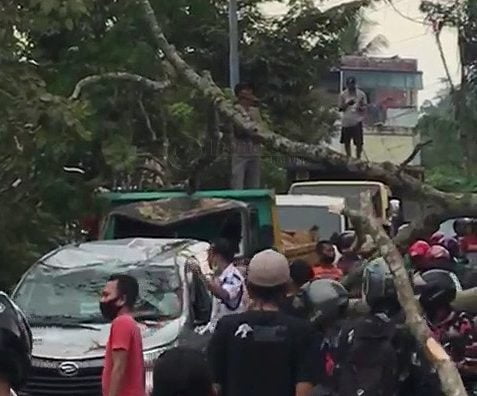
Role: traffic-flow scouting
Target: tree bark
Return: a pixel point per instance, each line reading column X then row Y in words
column 117, row 76
column 451, row 381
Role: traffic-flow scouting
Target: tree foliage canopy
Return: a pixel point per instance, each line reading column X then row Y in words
column 118, row 128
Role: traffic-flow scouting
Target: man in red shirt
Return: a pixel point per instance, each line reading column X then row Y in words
column 123, row 372
column 324, row 268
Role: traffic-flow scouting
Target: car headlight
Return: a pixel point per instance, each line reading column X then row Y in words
column 150, row 358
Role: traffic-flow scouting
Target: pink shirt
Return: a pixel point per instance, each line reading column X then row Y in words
column 125, row 335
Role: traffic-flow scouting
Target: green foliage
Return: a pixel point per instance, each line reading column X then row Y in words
column 462, row 16
column 443, row 159
column 354, row 38
column 39, row 135
column 47, row 46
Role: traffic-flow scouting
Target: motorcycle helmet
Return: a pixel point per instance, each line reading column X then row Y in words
column 460, row 225
column 437, row 257
column 345, row 241
column 438, row 252
column 451, row 245
column 325, row 299
column 15, row 343
column 438, row 288
column 378, row 285
column 418, row 249
column 436, row 238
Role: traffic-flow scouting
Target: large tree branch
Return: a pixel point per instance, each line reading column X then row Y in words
column 118, row 76
column 210, row 148
column 449, row 375
column 437, row 37
column 414, row 153
column 437, row 202
column 147, row 119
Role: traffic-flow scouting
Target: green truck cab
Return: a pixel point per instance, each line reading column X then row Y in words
column 248, row 217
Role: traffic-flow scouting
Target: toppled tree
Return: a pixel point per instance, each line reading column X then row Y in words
column 449, row 375
column 440, row 205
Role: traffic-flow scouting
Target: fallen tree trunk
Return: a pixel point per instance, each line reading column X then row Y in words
column 449, row 376
column 438, row 205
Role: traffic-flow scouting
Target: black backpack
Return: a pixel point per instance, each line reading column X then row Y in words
column 368, row 363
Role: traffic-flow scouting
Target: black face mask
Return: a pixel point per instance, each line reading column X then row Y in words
column 109, row 309
column 328, row 259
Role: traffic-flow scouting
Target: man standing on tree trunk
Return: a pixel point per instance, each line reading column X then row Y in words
column 246, row 152
column 352, row 103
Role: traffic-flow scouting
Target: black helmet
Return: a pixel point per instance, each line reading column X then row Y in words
column 15, row 343
column 460, row 224
column 378, row 284
column 438, row 288
column 345, row 240
column 325, row 300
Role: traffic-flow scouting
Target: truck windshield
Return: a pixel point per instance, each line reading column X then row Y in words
column 302, row 218
column 351, row 193
column 49, row 295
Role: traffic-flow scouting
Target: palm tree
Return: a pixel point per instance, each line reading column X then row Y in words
column 355, row 37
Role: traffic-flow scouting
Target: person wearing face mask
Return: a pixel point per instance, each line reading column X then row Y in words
column 227, row 285
column 123, row 372
column 325, row 268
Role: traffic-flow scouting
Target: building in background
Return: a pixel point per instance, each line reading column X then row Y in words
column 392, row 86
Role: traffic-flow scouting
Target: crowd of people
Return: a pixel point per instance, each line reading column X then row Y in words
column 285, row 329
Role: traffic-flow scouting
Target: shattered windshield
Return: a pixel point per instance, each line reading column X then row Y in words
column 50, row 295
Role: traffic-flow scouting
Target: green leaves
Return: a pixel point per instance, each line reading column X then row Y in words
column 40, row 133
column 120, row 154
column 114, row 124
column 47, row 6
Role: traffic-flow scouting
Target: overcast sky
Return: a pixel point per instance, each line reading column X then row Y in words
column 409, row 38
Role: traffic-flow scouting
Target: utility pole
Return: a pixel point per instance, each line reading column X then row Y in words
column 234, row 68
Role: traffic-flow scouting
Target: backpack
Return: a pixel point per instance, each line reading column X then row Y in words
column 368, row 363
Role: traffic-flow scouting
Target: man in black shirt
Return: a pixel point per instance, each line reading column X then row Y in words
column 263, row 352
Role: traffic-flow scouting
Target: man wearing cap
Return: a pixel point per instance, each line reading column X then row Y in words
column 352, row 103
column 263, row 352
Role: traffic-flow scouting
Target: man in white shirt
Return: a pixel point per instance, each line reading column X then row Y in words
column 227, row 285
column 352, row 103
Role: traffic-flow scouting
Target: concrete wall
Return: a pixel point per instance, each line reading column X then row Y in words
column 380, row 146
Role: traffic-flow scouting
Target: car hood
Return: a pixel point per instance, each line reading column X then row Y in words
column 78, row 343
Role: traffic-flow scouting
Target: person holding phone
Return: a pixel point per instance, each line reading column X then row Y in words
column 352, row 103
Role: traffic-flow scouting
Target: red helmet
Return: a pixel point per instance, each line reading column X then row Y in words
column 419, row 249
column 437, row 252
column 436, row 238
